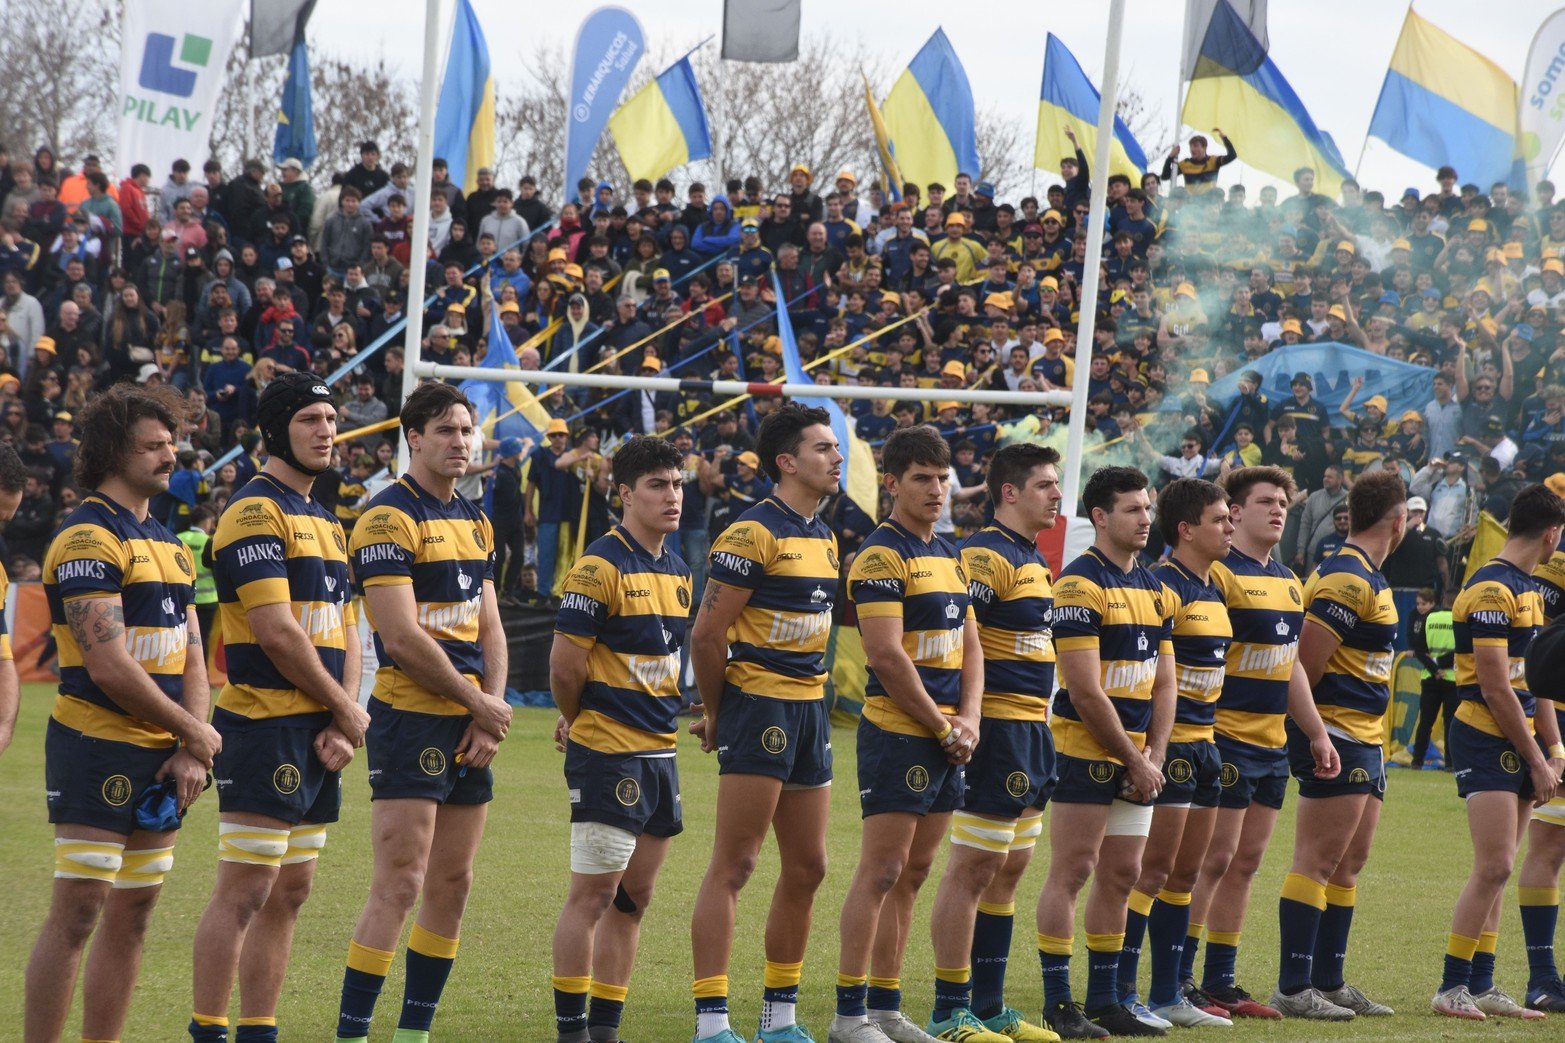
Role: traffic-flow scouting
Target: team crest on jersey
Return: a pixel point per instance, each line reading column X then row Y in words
column 1230, row 775
column 432, row 761
column 1157, row 606
column 1141, row 641
column 116, row 791
column 831, row 559
column 336, row 537
column 478, row 538
column 183, row 561
column 1293, row 592
column 917, row 778
column 961, row 575
column 379, row 524
column 1510, row 762
column 683, row 595
column 1101, row 772
column 285, row 779
column 627, row 792
column 1180, row 771
column 1358, row 775
column 253, row 516
column 774, row 740
column 875, row 563
column 1017, row 784
column 1282, row 628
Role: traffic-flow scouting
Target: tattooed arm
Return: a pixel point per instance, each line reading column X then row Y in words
column 98, row 625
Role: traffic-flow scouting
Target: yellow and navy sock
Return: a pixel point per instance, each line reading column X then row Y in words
column 991, row 953
column 208, row 1028
column 1299, row 912
column 1222, row 958
column 1166, row 925
column 606, row 1010
column 711, row 996
column 884, row 994
column 1054, row 956
column 1331, row 941
column 1103, row 952
column 852, row 990
column 361, row 984
column 1192, row 946
column 429, row 962
column 570, row 1007
column 255, row 1030
column 1459, row 951
column 953, row 991
column 1137, row 909
column 1483, row 963
column 780, row 994
column 1540, row 916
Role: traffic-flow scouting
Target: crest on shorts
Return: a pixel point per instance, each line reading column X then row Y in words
column 285, row 779
column 627, row 792
column 478, row 538
column 432, row 761
column 683, row 595
column 917, row 778
column 1017, row 784
column 1358, row 775
column 1100, row 772
column 1180, row 771
column 1230, row 775
column 116, row 791
column 774, row 740
column 1510, row 762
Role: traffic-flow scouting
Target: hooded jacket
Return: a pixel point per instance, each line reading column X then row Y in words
column 719, row 232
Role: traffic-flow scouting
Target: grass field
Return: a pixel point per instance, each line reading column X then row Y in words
column 500, row 989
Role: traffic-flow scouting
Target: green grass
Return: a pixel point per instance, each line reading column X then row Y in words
column 500, row 989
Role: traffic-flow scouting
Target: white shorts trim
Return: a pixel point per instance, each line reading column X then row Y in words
column 1128, row 820
column 598, row 848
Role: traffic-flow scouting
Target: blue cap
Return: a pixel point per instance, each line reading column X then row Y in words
column 1431, row 292
column 510, row 446
column 985, row 188
column 1390, row 297
column 1410, row 191
column 1524, row 331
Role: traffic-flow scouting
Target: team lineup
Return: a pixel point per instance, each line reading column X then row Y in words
column 1156, row 715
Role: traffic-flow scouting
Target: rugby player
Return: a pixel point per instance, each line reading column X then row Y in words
column 771, row 583
column 1112, row 718
column 1012, row 771
column 128, row 745
column 1263, row 683
column 919, row 727
column 1193, row 519
column 1507, row 757
column 1346, row 648
column 289, row 714
column 13, row 480
column 614, row 671
column 423, row 560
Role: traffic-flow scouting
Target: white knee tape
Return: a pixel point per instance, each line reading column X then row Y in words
column 600, row 848
column 251, row 845
column 304, row 844
column 1128, row 820
column 144, row 868
column 87, row 860
column 1028, row 830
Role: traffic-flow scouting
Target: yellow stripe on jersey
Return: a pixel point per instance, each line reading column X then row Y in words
column 1013, row 598
column 1265, row 605
column 1350, row 597
column 1499, row 607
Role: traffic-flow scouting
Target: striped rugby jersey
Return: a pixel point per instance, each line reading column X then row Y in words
column 789, row 564
column 898, row 575
column 445, row 551
column 5, row 632
column 272, row 547
column 1348, row 595
column 1266, row 611
column 629, row 609
column 1551, row 586
column 1126, row 617
column 1013, row 599
column 1499, row 607
column 103, row 550
column 1202, row 635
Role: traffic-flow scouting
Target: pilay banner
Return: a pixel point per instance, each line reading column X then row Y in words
column 1541, row 121
column 608, row 46
column 172, row 58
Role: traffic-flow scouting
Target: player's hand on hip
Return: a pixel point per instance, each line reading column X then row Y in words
column 332, row 748
column 477, row 748
column 202, row 742
column 1328, row 764
column 493, row 716
column 352, row 721
column 189, row 777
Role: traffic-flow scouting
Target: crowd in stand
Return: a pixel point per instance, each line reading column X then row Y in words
column 215, row 282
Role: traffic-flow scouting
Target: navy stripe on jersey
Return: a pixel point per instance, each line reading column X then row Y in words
column 1500, row 606
column 1201, row 638
column 1013, row 598
column 1265, row 604
column 1348, row 595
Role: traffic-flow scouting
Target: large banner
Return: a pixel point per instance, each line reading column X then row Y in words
column 608, row 46
column 1333, row 368
column 172, row 57
column 1542, row 118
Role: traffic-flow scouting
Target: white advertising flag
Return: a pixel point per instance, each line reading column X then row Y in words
column 1541, row 121
column 173, row 55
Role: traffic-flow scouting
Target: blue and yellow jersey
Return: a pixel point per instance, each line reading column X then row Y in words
column 629, row 610
column 5, row 633
column 1266, row 611
column 1013, row 598
column 1551, row 583
column 445, row 551
column 274, row 547
column 1500, row 607
column 789, row 565
column 100, row 551
column 1348, row 596
column 1201, row 638
column 1126, row 617
column 898, row 575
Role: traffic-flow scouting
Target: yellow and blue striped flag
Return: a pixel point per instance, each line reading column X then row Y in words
column 1070, row 100
column 295, row 136
column 888, row 154
column 1443, row 102
column 664, row 125
column 505, row 408
column 1237, row 87
column 464, row 122
column 929, row 114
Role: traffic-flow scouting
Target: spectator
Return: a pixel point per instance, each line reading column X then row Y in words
column 346, row 238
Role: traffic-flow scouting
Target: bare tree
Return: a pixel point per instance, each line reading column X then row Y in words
column 61, row 76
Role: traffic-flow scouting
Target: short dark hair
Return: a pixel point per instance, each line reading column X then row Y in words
column 783, row 431
column 920, row 444
column 642, row 455
column 1535, row 510
column 1374, row 496
column 1184, row 500
column 1107, row 483
column 1014, row 464
column 1241, row 480
column 13, row 476
column 429, row 400
column 104, row 427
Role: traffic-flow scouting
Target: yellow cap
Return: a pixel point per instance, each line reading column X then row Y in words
column 1555, row 265
column 998, row 300
column 941, row 407
column 45, row 344
column 1052, row 215
column 574, row 271
column 1184, row 289
column 955, row 218
column 1049, row 282
column 847, row 175
column 558, row 426
column 1478, row 224
column 750, row 460
column 1411, row 414
column 1378, row 401
column 953, row 368
column 1336, row 311
column 1556, row 483
column 510, row 307
column 1345, row 244
column 1292, row 326
column 1401, row 244
column 1052, row 334
column 1199, row 376
column 557, row 254
column 800, row 168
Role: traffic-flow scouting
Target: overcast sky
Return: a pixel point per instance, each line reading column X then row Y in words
column 1333, row 52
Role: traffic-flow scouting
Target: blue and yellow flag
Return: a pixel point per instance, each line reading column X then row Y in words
column 1070, row 100
column 1236, row 87
column 858, row 465
column 464, row 122
column 929, row 116
column 505, row 408
column 1443, row 102
column 888, row 154
column 664, row 126
column 295, row 137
